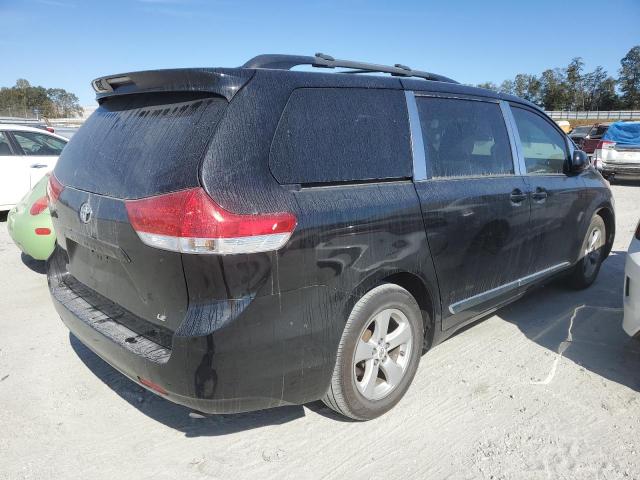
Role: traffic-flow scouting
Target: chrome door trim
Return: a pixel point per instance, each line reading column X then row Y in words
column 514, row 138
column 417, row 143
column 456, row 96
column 470, row 302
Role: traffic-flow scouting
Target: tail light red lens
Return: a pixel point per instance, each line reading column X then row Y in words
column 189, row 221
column 43, row 231
column 638, row 231
column 50, row 130
column 54, row 189
column 604, row 144
column 39, row 206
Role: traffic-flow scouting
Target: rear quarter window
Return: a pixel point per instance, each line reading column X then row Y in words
column 328, row 135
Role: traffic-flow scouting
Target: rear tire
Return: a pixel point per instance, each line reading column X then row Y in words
column 378, row 354
column 591, row 255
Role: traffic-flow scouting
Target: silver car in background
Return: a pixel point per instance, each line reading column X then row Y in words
column 618, row 153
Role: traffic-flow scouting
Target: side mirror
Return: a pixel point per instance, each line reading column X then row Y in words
column 579, row 161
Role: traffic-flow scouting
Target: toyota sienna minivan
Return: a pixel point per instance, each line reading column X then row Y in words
column 242, row 238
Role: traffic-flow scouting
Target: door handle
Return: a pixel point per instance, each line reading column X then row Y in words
column 38, row 165
column 540, row 195
column 517, row 196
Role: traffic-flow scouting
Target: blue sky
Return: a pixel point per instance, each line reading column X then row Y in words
column 67, row 43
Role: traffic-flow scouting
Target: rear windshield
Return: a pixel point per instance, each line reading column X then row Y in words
column 141, row 145
column 598, row 131
column 580, row 130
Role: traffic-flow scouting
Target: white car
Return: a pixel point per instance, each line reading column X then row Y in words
column 619, row 158
column 26, row 154
column 631, row 294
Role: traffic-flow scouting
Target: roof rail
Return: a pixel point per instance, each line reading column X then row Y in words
column 320, row 60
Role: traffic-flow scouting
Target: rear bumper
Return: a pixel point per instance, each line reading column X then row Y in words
column 621, row 169
column 274, row 353
column 631, row 293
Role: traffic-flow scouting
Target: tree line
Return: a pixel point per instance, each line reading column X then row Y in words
column 26, row 100
column 571, row 88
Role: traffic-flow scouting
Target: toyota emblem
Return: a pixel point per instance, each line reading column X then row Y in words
column 85, row 213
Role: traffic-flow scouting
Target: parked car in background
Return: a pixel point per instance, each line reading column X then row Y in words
column 594, row 136
column 242, row 238
column 66, row 132
column 29, row 223
column 579, row 133
column 27, row 122
column 26, row 154
column 564, row 125
column 631, row 293
column 618, row 152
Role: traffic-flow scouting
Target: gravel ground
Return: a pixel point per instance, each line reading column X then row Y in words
column 546, row 388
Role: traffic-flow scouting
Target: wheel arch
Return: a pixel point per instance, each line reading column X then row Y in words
column 607, row 215
column 426, row 295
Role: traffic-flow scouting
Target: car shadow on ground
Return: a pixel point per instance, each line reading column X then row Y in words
column 582, row 326
column 176, row 416
column 38, row 266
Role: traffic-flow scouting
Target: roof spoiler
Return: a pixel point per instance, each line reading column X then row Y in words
column 219, row 81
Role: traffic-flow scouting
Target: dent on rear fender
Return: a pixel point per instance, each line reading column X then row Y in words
column 205, row 318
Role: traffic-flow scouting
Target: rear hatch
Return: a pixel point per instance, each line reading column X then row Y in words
column 140, row 144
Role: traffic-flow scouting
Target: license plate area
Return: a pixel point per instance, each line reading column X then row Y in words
column 98, row 247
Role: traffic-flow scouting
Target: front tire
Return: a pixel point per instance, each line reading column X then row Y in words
column 591, row 255
column 378, row 354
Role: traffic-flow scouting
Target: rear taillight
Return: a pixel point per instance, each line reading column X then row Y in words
column 39, row 206
column 50, row 130
column 605, row 144
column 189, row 221
column 54, row 189
column 638, row 231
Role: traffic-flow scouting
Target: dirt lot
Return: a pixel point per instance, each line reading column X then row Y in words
column 547, row 388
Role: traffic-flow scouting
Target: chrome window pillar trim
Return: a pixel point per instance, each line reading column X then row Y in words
column 470, row 302
column 514, row 139
column 417, row 143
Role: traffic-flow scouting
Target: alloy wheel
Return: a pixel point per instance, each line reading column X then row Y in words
column 593, row 251
column 383, row 353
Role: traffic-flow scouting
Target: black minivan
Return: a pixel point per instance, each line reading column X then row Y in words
column 243, row 238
